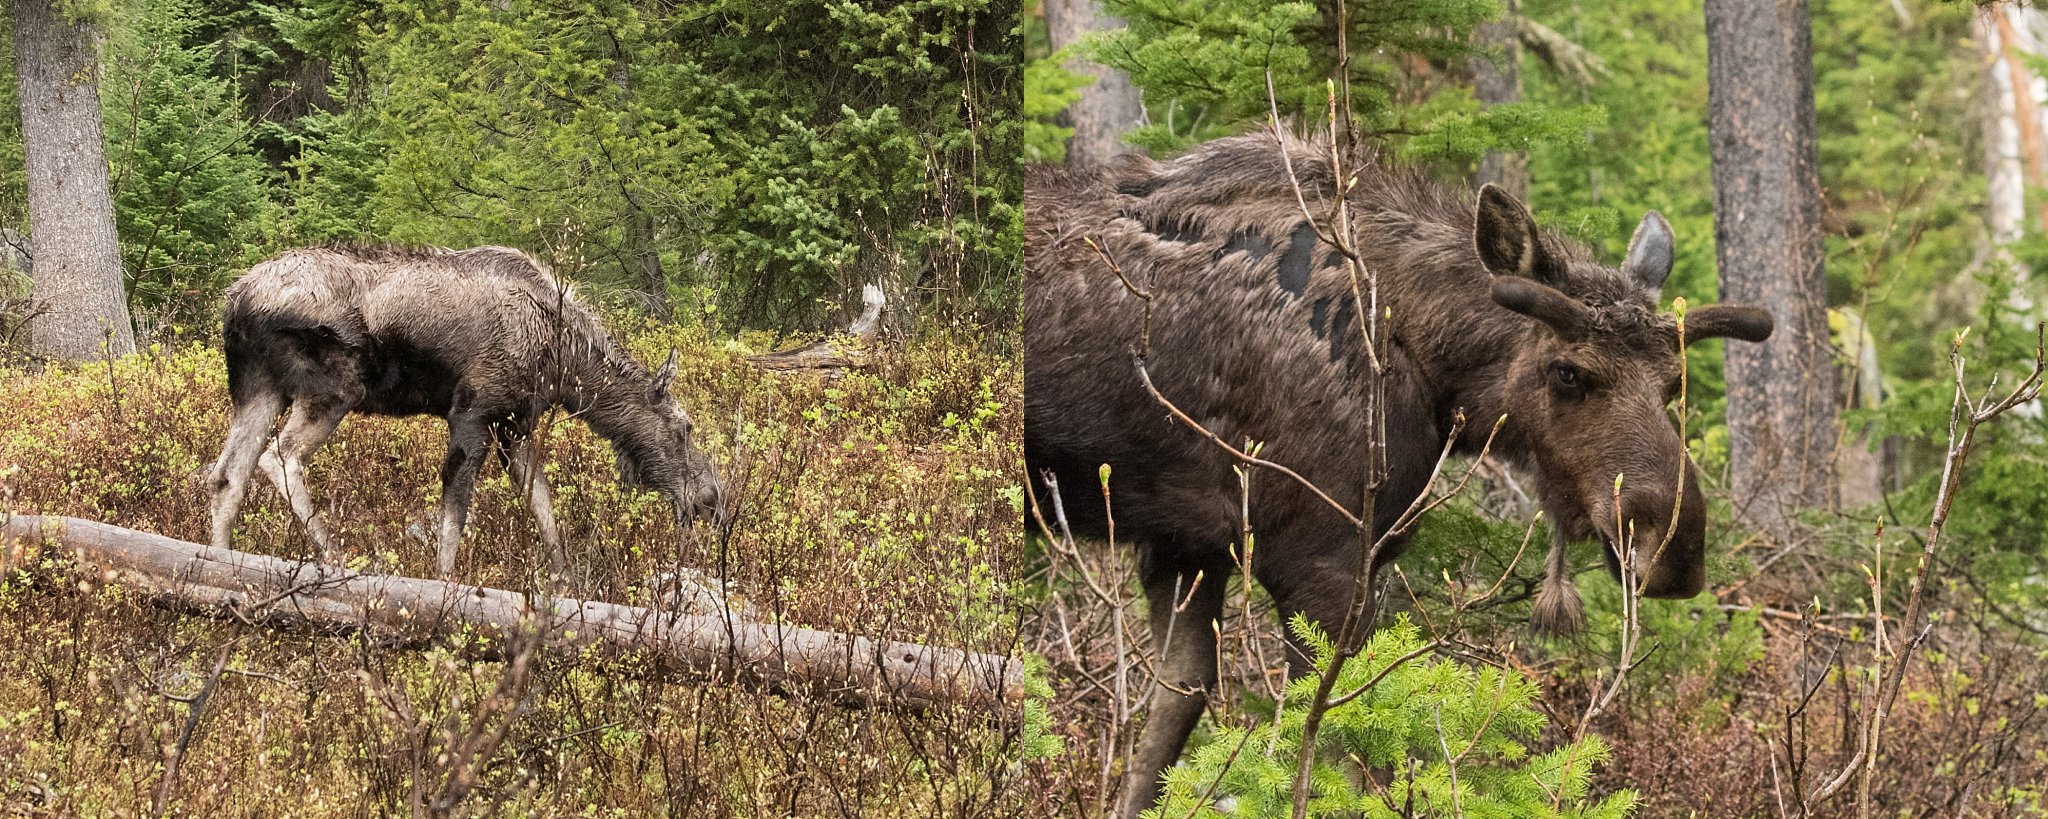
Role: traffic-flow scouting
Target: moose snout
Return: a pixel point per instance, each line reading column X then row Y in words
column 1673, row 568
column 706, row 500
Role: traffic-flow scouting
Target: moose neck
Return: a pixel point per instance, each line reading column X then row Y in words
column 1445, row 322
column 619, row 411
column 604, row 386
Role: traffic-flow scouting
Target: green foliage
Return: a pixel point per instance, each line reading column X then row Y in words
column 1995, row 518
column 805, row 137
column 1458, row 133
column 1205, row 64
column 191, row 197
column 1048, row 90
column 333, row 173
column 1416, row 711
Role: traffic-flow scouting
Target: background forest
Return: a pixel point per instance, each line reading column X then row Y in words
column 1748, row 700
column 747, row 164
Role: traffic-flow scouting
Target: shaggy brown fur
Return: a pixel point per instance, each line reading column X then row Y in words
column 484, row 337
column 1256, row 335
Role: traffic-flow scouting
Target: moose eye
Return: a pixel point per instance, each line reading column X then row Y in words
column 1567, row 380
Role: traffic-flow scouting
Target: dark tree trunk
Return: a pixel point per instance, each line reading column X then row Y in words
column 1107, row 108
column 1497, row 79
column 1782, row 396
column 644, row 257
column 82, row 311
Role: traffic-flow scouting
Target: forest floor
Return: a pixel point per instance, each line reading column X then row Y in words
column 1740, row 700
column 883, row 503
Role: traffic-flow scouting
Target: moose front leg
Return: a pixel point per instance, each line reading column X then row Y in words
column 1184, row 601
column 469, row 443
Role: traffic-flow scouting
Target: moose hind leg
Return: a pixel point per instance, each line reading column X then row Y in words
column 313, row 421
column 1184, row 603
column 229, row 481
column 522, row 464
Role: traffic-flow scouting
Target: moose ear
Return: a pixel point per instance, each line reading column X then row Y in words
column 1649, row 252
column 1505, row 236
column 657, row 388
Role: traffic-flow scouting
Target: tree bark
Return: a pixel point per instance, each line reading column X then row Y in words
column 1497, row 79
column 644, row 258
column 1107, row 108
column 1782, row 397
column 80, row 303
column 2015, row 147
column 408, row 612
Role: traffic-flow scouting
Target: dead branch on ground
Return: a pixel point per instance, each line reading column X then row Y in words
column 481, row 622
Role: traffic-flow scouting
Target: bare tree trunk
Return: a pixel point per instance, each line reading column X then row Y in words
column 1497, row 79
column 1110, row 106
column 2015, row 148
column 82, row 310
column 306, row 596
column 1782, row 396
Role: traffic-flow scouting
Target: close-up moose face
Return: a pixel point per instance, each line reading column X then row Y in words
column 1588, row 392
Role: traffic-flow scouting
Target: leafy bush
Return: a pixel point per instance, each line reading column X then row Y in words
column 1456, row 739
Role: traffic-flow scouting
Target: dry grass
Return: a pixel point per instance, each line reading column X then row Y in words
column 884, row 503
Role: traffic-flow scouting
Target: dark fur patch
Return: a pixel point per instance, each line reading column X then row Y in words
column 1167, row 229
column 1175, row 231
column 1141, row 189
column 1317, row 314
column 1293, row 270
column 1339, row 338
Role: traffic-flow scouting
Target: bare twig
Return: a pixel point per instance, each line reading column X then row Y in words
column 195, row 706
column 1965, row 416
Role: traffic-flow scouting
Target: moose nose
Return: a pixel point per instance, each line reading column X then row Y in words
column 1672, row 569
column 1675, row 580
column 709, row 502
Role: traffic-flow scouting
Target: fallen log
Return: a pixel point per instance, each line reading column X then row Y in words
column 845, row 350
column 305, row 595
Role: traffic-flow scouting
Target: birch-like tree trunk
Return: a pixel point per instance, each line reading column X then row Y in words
column 2015, row 132
column 80, row 307
column 1108, row 107
column 1782, row 396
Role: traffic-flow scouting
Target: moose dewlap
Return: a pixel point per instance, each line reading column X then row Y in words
column 1255, row 333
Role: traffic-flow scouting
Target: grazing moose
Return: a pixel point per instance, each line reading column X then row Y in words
column 485, row 338
column 1255, row 335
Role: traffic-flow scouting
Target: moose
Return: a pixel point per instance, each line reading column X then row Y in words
column 1250, row 328
column 486, row 338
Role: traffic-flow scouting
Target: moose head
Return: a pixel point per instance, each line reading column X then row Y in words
column 1588, row 392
